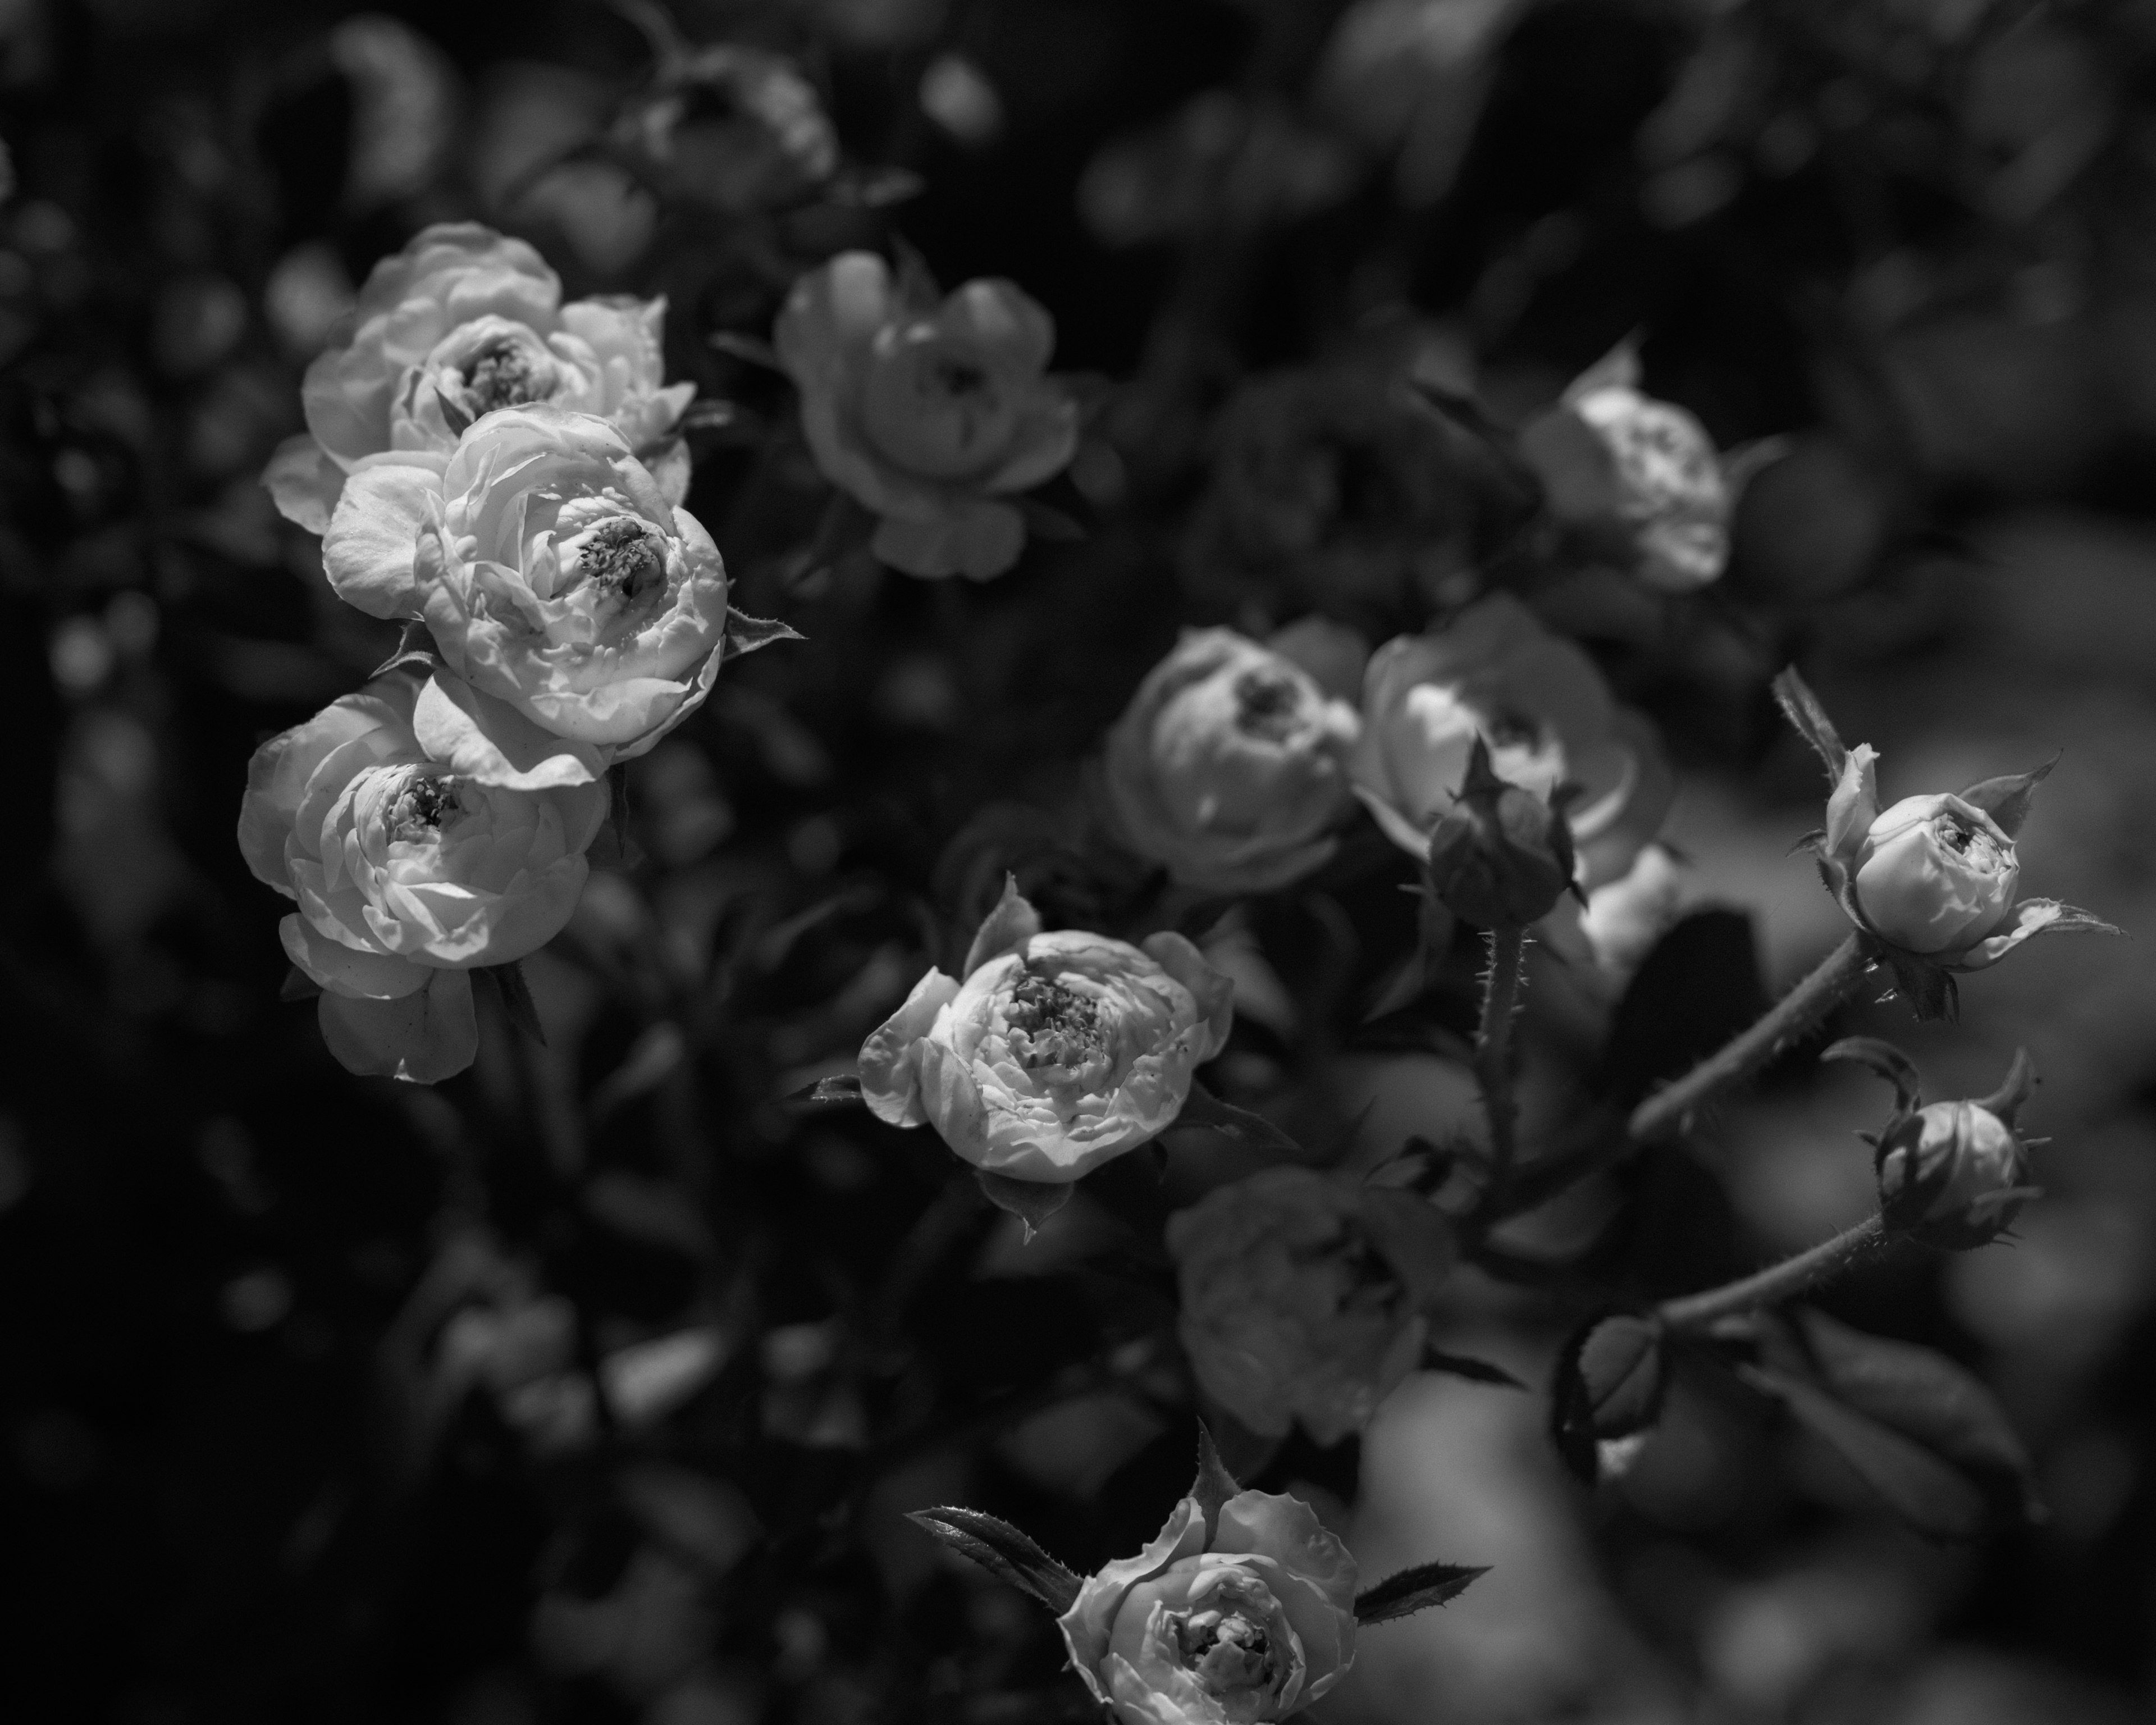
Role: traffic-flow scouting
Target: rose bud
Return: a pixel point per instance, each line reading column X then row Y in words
column 552, row 573
column 1494, row 674
column 1638, row 474
column 1935, row 874
column 1955, row 1174
column 1502, row 856
column 929, row 415
column 1051, row 1053
column 1253, row 1622
column 464, row 321
column 407, row 873
column 1301, row 1296
column 1229, row 764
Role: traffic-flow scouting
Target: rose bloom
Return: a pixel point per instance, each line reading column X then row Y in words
column 1230, row 765
column 1335, row 488
column 408, row 873
column 1639, row 473
column 552, row 573
column 1053, row 1053
column 930, row 415
column 1252, row 1623
column 1301, row 1296
column 460, row 322
column 1541, row 707
column 1935, row 874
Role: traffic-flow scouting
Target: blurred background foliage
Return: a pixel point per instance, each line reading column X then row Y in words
column 593, row 1385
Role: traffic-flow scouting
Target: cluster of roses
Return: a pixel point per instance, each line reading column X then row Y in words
column 504, row 473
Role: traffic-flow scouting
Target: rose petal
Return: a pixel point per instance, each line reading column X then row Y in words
column 980, row 541
column 491, row 742
column 891, row 1059
column 421, row 1038
column 304, row 482
column 1087, row 1625
column 1214, row 992
column 347, row 970
column 368, row 549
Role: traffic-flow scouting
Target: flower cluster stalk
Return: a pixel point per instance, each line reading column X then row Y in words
column 1493, row 1045
column 1777, row 1282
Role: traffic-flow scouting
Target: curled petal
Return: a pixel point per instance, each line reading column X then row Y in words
column 1086, row 1625
column 304, row 482
column 421, row 1038
column 369, row 546
column 1889, row 1062
column 1215, row 993
column 348, row 971
column 1855, row 804
column 2031, row 916
column 891, row 1059
column 489, row 742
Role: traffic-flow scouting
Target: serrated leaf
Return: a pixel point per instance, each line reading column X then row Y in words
column 415, row 647
column 1033, row 1201
column 516, row 999
column 1889, row 1062
column 1214, row 1485
column 1802, row 708
column 746, row 635
column 1202, row 1108
column 841, row 1089
column 1928, row 1493
column 2007, row 799
column 1004, row 1552
column 1474, row 1371
column 1416, row 1589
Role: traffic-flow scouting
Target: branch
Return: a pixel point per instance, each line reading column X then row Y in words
column 1493, row 1046
column 1778, row 1282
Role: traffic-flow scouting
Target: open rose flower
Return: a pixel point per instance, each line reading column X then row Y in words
column 407, row 873
column 1542, row 708
column 1639, row 475
column 1302, row 1295
column 1251, row 1619
column 930, row 415
column 552, row 573
column 1931, row 879
column 460, row 322
column 1051, row 1053
column 1230, row 765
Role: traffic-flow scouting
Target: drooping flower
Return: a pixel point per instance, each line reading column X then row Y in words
column 1230, row 765
column 1249, row 1621
column 461, row 321
column 1541, row 708
column 1051, row 1053
column 552, row 574
column 930, row 415
column 1302, row 1295
column 407, row 872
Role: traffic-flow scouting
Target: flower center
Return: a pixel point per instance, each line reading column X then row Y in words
column 420, row 807
column 500, row 375
column 1226, row 1650
column 1268, row 704
column 1059, row 1027
column 1972, row 845
column 618, row 559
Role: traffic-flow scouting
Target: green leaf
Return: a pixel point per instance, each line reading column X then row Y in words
column 1610, row 1382
column 1416, row 1589
column 1474, row 1371
column 2007, row 799
column 746, row 634
column 1004, row 1552
column 1214, row 1485
column 415, row 651
column 1889, row 1062
column 841, row 1089
column 1803, row 710
column 1254, row 1132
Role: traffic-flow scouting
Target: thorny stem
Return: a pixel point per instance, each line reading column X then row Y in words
column 1789, row 1018
column 1777, row 1282
column 1493, row 1045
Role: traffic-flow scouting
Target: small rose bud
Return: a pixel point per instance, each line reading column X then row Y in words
column 1936, row 874
column 1502, row 856
column 1952, row 1175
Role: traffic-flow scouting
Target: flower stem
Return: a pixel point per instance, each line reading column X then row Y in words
column 1777, row 1282
column 1744, row 1055
column 1493, row 1045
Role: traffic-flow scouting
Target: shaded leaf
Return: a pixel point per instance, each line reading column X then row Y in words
column 1699, row 987
column 1610, row 1380
column 1033, row 1201
column 1474, row 1371
column 746, row 634
column 2007, row 799
column 1889, row 1062
column 841, row 1089
column 1416, row 1589
column 1202, row 1108
column 415, row 650
column 1802, row 708
column 1214, row 1485
column 1931, row 1495
column 1004, row 1552
column 516, row 999
column 298, row 985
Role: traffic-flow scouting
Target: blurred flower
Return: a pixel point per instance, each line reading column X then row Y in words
column 927, row 414
column 409, row 874
column 1539, row 706
column 1051, row 1053
column 553, row 574
column 462, row 321
column 1639, row 473
column 1501, row 855
column 1229, row 764
column 726, row 125
column 1252, row 1621
column 1335, row 488
column 956, row 94
column 1627, row 915
column 1302, row 1295
column 405, row 108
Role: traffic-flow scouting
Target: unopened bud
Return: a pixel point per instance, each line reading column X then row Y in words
column 1501, row 857
column 1954, row 1174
